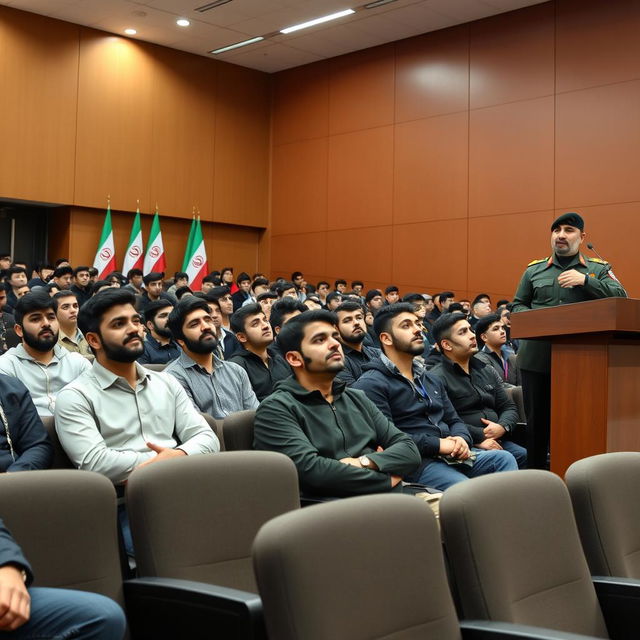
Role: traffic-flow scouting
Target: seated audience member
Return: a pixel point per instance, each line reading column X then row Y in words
column 282, row 311
column 63, row 277
column 286, row 289
column 492, row 338
column 374, row 300
column 81, row 284
column 228, row 344
column 505, row 317
column 244, row 291
column 40, row 362
column 118, row 415
column 417, row 403
column 312, row 302
column 254, row 332
column 183, row 291
column 442, row 302
column 266, row 300
column 24, row 443
column 474, row 388
column 159, row 345
column 215, row 386
column 7, row 321
column 456, row 307
column 340, row 443
column 340, row 286
column 226, row 279
column 134, row 278
column 334, row 300
column 429, row 307
column 223, row 297
column 322, row 289
column 5, row 264
column 480, row 308
column 69, row 336
column 258, row 286
column 180, row 279
column 357, row 286
column 41, row 275
column 353, row 331
column 22, row 291
column 16, row 278
column 44, row 612
column 297, row 277
column 153, row 284
column 420, row 309
column 100, row 285
column 93, row 274
column 391, row 294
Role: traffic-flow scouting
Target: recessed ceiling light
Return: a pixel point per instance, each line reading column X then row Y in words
column 312, row 23
column 130, row 32
column 182, row 22
column 237, row 45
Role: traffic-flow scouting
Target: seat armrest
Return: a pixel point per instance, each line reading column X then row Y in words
column 493, row 630
column 173, row 608
column 619, row 600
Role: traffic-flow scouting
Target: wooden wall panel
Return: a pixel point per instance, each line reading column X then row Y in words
column 183, row 127
column 233, row 246
column 114, row 151
column 38, row 79
column 307, row 251
column 241, row 179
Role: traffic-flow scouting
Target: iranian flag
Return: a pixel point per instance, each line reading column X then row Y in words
column 134, row 256
column 154, row 259
column 187, row 251
column 196, row 257
column 105, row 260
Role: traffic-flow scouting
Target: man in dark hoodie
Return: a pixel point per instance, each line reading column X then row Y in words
column 339, row 441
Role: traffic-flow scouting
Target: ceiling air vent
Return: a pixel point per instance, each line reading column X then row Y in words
column 211, row 5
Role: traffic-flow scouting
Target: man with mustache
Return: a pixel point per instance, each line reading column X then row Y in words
column 159, row 346
column 566, row 276
column 353, row 332
column 40, row 363
column 215, row 386
column 251, row 327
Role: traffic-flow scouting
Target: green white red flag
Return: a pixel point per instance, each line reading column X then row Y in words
column 196, row 257
column 134, row 256
column 187, row 251
column 154, row 259
column 105, row 260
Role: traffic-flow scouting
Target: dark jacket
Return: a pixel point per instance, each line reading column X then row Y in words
column 31, row 445
column 10, row 553
column 82, row 294
column 239, row 298
column 512, row 377
column 426, row 419
column 354, row 361
column 263, row 378
column 156, row 353
column 476, row 395
column 316, row 435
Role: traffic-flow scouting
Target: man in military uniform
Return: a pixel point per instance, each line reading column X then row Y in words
column 564, row 277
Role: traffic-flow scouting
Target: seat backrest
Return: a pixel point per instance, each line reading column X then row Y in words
column 195, row 518
column 66, row 524
column 216, row 427
column 604, row 490
column 60, row 458
column 514, row 549
column 365, row 567
column 237, row 430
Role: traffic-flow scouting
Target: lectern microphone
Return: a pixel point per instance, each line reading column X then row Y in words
column 592, row 248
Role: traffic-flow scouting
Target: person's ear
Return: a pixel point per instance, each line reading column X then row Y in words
column 385, row 338
column 294, row 358
column 445, row 345
column 242, row 337
column 18, row 329
column 93, row 340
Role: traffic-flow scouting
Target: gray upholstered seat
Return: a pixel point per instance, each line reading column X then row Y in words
column 237, row 430
column 60, row 458
column 515, row 553
column 605, row 492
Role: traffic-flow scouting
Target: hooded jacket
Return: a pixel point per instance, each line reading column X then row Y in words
column 316, row 435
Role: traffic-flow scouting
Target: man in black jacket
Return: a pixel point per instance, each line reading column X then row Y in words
column 475, row 389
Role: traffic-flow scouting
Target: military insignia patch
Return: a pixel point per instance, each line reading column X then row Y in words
column 592, row 275
column 536, row 262
column 612, row 275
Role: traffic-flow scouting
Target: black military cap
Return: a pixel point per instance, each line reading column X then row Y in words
column 153, row 276
column 571, row 218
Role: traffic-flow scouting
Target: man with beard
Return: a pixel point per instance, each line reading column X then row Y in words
column 340, row 443
column 353, row 331
column 215, row 386
column 118, row 415
column 418, row 404
column 40, row 363
column 159, row 347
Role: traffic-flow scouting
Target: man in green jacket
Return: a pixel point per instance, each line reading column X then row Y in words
column 341, row 444
column 566, row 276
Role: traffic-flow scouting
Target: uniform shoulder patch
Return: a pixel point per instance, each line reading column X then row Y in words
column 597, row 260
column 537, row 261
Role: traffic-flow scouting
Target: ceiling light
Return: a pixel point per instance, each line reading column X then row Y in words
column 237, row 45
column 377, row 3
column 182, row 22
column 130, row 32
column 211, row 5
column 311, row 23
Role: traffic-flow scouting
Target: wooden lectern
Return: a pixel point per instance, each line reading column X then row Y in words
column 595, row 375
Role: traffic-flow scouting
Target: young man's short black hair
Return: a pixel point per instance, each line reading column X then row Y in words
column 281, row 287
column 180, row 291
column 291, row 335
column 4, row 286
column 445, row 295
column 282, row 308
column 91, row 312
column 413, row 298
column 43, row 265
column 333, row 296
column 382, row 320
column 217, row 292
column 65, row 293
column 59, row 261
column 296, row 274
column 210, row 279
column 32, row 301
column 502, row 303
column 63, row 271
column 441, row 329
column 13, row 270
column 322, row 282
column 243, row 277
column 357, row 283
column 154, row 276
column 339, row 281
column 132, row 273
column 154, row 308
column 259, row 282
column 390, row 289
column 181, row 311
column 93, row 272
column 238, row 319
column 78, row 270
column 456, row 307
column 349, row 305
column 484, row 323
column 98, row 284
column 180, row 275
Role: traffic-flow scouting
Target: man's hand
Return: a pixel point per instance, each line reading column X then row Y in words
column 395, row 480
column 164, row 453
column 454, row 446
column 489, row 444
column 571, row 278
column 493, row 429
column 354, row 462
column 15, row 603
